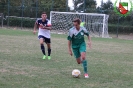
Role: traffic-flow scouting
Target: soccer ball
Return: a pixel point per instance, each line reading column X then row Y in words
column 76, row 73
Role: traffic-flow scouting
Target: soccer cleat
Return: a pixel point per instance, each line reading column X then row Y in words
column 49, row 57
column 44, row 57
column 86, row 75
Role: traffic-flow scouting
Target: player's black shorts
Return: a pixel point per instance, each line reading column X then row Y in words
column 46, row 40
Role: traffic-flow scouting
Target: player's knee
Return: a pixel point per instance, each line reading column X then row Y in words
column 79, row 62
column 83, row 57
column 49, row 46
column 41, row 43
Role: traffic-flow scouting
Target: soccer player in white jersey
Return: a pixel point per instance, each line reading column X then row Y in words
column 44, row 33
column 76, row 43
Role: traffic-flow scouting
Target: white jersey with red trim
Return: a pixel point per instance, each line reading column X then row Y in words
column 42, row 31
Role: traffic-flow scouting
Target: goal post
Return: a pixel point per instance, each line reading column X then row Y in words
column 96, row 24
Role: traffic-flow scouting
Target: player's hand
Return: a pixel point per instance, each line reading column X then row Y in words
column 89, row 43
column 34, row 32
column 41, row 24
column 70, row 52
column 44, row 27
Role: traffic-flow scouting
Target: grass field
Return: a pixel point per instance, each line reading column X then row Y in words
column 21, row 66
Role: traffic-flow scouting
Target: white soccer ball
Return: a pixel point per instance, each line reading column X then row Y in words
column 76, row 73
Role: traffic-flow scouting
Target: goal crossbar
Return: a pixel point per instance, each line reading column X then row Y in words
column 95, row 14
column 96, row 24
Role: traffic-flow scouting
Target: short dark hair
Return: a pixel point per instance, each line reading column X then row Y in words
column 44, row 13
column 77, row 20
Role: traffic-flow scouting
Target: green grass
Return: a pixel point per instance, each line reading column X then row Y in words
column 21, row 66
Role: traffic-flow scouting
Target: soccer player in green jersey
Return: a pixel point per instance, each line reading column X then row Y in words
column 76, row 42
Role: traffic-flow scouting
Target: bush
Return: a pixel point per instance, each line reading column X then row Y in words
column 26, row 22
column 29, row 23
column 112, row 28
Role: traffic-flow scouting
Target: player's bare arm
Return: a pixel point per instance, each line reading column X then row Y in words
column 89, row 42
column 44, row 27
column 69, row 47
column 35, row 27
column 48, row 28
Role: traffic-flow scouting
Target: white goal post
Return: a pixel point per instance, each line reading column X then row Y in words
column 96, row 24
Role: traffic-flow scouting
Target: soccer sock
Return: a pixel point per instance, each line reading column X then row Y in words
column 43, row 49
column 84, row 63
column 49, row 52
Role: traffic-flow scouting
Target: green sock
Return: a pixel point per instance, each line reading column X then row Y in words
column 84, row 63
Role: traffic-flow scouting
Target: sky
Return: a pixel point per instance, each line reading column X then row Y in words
column 99, row 2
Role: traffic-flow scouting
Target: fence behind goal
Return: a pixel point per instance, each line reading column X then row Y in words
column 1, row 19
column 96, row 24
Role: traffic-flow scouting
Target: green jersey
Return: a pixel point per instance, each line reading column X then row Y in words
column 77, row 37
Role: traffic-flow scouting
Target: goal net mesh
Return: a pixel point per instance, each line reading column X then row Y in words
column 96, row 24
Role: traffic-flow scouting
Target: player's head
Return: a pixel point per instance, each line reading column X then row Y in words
column 44, row 15
column 76, row 22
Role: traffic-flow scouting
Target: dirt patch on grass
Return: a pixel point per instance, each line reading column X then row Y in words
column 3, row 70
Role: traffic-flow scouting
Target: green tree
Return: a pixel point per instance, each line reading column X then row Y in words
column 60, row 5
column 84, row 5
column 90, row 6
column 2, row 6
column 56, row 4
column 77, row 4
column 106, row 7
column 48, row 5
column 30, row 7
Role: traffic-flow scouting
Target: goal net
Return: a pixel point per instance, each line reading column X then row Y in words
column 96, row 24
